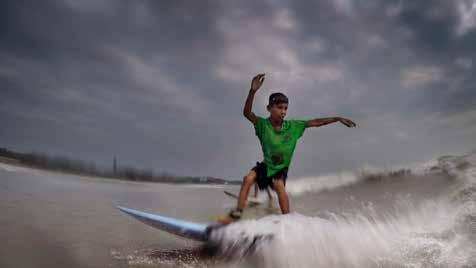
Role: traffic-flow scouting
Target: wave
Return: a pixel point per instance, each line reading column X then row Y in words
column 448, row 165
column 436, row 232
column 420, row 237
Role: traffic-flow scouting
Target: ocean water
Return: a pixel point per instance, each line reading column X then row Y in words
column 422, row 215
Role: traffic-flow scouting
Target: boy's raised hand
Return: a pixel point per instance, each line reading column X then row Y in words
column 257, row 82
column 347, row 122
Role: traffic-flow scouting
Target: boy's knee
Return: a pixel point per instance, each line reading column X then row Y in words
column 278, row 185
column 248, row 180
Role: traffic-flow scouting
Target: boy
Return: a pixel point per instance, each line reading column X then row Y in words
column 278, row 138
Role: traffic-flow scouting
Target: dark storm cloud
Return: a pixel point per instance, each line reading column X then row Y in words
column 161, row 84
column 432, row 22
column 390, row 39
column 76, row 65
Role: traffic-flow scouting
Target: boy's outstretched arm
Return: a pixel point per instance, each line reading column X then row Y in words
column 319, row 122
column 255, row 85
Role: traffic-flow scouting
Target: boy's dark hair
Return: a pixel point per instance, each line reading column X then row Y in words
column 277, row 98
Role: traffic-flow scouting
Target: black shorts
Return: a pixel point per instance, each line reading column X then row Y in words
column 263, row 180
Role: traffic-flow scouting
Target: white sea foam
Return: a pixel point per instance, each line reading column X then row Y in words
column 304, row 185
column 13, row 168
column 422, row 236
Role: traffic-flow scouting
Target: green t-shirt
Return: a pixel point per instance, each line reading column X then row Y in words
column 278, row 146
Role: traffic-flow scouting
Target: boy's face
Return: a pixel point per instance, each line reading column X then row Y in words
column 278, row 110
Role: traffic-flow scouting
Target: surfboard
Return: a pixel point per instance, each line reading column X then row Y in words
column 197, row 231
column 251, row 200
column 187, row 229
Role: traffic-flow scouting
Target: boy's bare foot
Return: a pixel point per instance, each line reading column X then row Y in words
column 225, row 219
column 231, row 217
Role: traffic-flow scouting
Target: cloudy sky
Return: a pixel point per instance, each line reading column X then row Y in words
column 162, row 84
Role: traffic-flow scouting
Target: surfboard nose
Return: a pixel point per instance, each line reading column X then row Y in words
column 186, row 229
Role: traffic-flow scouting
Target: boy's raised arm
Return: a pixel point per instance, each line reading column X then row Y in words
column 255, row 85
column 319, row 122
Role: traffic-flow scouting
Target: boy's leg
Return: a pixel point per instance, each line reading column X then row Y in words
column 280, row 189
column 235, row 214
column 248, row 180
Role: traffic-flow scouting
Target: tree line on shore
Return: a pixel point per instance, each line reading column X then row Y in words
column 65, row 164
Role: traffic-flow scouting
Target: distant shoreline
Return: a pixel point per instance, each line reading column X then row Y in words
column 72, row 167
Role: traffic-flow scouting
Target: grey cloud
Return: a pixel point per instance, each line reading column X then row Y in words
column 162, row 84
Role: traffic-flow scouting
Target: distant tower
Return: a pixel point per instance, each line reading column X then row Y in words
column 115, row 166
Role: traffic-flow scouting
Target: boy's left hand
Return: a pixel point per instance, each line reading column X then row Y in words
column 347, row 122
